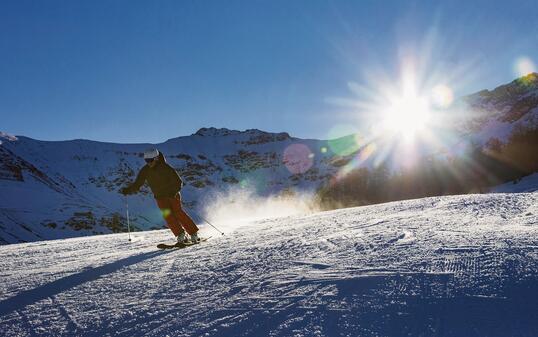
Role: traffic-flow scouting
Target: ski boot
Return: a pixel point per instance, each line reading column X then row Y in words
column 195, row 238
column 181, row 238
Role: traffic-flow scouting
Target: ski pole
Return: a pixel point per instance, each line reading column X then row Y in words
column 128, row 224
column 209, row 223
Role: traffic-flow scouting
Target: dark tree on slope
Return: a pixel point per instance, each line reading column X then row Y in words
column 478, row 169
column 521, row 151
column 349, row 191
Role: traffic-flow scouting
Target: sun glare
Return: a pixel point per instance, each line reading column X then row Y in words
column 407, row 114
column 406, row 108
column 524, row 66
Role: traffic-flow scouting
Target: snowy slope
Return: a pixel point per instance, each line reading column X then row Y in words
column 526, row 184
column 442, row 266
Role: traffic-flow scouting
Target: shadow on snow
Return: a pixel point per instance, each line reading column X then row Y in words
column 32, row 296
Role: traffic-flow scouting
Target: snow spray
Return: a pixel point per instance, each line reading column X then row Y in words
column 209, row 223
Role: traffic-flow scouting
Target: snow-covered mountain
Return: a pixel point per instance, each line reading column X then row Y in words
column 70, row 188
column 59, row 189
column 497, row 113
column 440, row 266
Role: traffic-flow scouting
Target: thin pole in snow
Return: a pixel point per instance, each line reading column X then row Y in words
column 209, row 223
column 128, row 224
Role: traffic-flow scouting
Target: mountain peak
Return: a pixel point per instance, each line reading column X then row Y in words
column 521, row 83
column 529, row 81
column 214, row 132
column 532, row 77
column 523, row 86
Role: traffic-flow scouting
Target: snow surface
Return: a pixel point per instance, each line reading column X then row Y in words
column 441, row 266
column 526, row 184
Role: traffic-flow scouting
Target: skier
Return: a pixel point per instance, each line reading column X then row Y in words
column 165, row 184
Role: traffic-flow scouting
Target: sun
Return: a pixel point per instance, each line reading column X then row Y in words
column 407, row 114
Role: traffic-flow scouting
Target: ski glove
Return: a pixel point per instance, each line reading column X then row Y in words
column 127, row 191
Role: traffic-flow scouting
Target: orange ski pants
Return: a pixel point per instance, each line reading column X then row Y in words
column 176, row 218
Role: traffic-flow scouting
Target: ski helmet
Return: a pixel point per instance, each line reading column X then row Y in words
column 151, row 153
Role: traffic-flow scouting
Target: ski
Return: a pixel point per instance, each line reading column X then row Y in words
column 180, row 245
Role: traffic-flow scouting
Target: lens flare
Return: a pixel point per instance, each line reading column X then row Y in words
column 366, row 152
column 298, row 158
column 344, row 140
column 524, row 66
column 358, row 161
column 256, row 180
column 341, row 130
column 442, row 96
column 345, row 146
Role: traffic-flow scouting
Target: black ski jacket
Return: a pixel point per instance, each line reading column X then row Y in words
column 162, row 179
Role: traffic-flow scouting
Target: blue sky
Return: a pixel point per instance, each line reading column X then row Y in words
column 147, row 71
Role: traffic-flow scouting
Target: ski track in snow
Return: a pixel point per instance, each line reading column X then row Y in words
column 441, row 266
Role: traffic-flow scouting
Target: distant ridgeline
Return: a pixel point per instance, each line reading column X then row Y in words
column 58, row 189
